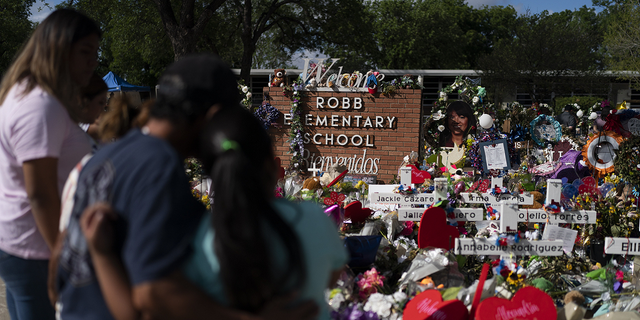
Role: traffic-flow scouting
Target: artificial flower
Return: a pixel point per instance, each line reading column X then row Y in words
column 440, row 128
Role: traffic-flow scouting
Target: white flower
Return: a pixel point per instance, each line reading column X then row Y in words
column 475, row 100
column 438, row 115
column 399, row 296
column 245, row 89
column 337, row 299
column 379, row 304
column 249, row 95
column 593, row 116
column 579, row 114
column 440, row 128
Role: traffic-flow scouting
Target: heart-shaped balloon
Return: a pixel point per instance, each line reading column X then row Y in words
column 528, row 303
column 588, row 189
column 429, row 305
column 434, row 230
column 605, row 188
column 569, row 191
column 577, row 182
column 590, row 181
column 356, row 212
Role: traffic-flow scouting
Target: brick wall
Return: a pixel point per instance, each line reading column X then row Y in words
column 385, row 146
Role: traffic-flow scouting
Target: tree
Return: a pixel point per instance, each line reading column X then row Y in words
column 417, row 34
column 622, row 41
column 548, row 54
column 15, row 28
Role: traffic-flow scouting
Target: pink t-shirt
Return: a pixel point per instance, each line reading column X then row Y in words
column 32, row 126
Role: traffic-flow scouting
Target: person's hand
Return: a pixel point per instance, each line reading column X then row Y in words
column 278, row 309
column 97, row 228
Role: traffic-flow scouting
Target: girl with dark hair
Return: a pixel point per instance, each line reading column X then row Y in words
column 40, row 142
column 459, row 124
column 252, row 248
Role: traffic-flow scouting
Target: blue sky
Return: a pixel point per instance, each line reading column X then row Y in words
column 535, row 6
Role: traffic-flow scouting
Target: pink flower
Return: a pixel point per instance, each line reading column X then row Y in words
column 408, row 228
column 369, row 283
column 619, row 275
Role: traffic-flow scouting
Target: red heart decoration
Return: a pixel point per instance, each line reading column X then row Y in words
column 588, row 189
column 418, row 176
column 527, row 304
column 481, row 185
column 429, row 305
column 356, row 212
column 334, row 198
column 590, row 181
column 434, row 231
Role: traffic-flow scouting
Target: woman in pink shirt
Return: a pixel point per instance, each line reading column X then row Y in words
column 40, row 142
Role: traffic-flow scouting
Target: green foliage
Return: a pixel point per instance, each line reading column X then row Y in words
column 548, row 53
column 585, row 103
column 622, row 40
column 628, row 160
column 15, row 29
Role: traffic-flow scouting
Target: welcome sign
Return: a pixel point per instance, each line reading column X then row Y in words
column 367, row 133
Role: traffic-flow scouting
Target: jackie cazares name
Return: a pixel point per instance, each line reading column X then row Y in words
column 481, row 246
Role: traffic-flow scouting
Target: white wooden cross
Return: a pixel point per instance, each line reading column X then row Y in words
column 314, row 170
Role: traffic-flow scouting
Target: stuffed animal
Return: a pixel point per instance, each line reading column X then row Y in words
column 333, row 172
column 538, row 199
column 312, row 183
column 278, row 78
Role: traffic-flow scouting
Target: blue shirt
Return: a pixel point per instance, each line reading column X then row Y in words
column 323, row 252
column 143, row 178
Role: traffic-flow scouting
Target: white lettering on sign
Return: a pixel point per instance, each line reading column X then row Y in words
column 521, row 199
column 336, row 103
column 356, row 81
column 625, row 246
column 539, row 215
column 484, row 246
column 355, row 164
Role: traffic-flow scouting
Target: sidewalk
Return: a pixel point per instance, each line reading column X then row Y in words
column 4, row 313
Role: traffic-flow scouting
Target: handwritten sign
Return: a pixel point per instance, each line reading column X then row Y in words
column 622, row 246
column 539, row 215
column 483, row 246
column 461, row 214
column 521, row 199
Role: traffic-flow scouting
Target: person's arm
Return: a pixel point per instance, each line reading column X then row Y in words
column 53, row 268
column 41, row 185
column 174, row 297
column 112, row 277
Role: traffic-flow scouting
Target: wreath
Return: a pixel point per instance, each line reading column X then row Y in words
column 267, row 114
column 469, row 91
column 549, row 133
column 595, row 150
column 476, row 156
column 627, row 163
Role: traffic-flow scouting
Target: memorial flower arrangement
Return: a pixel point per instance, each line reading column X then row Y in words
column 245, row 93
column 296, row 130
column 267, row 114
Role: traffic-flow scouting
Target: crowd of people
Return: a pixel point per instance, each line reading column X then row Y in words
column 100, row 223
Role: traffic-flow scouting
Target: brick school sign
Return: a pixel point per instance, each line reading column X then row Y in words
column 369, row 134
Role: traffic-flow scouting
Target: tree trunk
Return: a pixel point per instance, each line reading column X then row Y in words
column 248, row 44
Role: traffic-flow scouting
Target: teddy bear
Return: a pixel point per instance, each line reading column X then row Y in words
column 538, row 199
column 333, row 172
column 309, row 188
column 278, row 78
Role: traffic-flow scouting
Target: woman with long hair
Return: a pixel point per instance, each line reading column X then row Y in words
column 252, row 248
column 40, row 142
column 459, row 123
column 94, row 102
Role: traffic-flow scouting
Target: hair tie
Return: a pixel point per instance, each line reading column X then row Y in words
column 230, row 145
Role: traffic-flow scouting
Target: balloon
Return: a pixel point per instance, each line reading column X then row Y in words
column 460, row 187
column 486, row 121
column 569, row 191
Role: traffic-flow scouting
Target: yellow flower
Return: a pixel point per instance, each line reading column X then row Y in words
column 569, row 266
